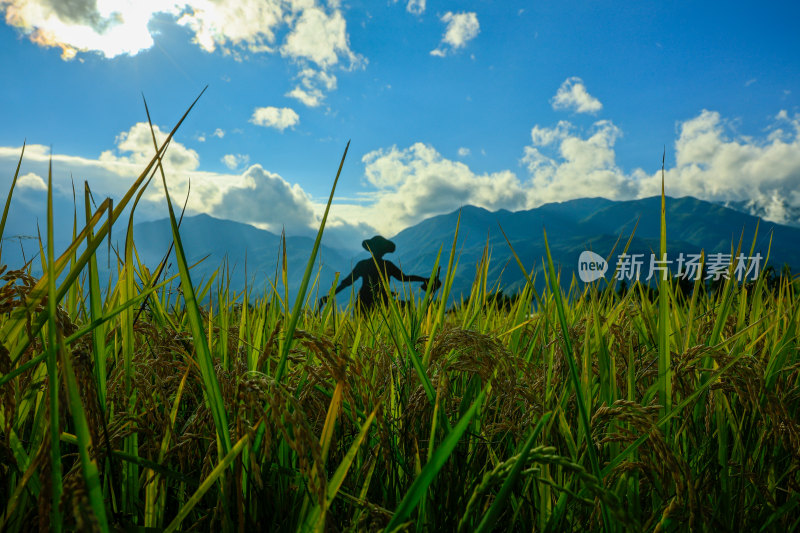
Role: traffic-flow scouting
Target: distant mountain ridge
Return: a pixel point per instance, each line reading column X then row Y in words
column 573, row 226
column 252, row 255
column 588, row 224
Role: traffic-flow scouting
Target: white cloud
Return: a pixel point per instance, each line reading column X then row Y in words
column 463, row 152
column 117, row 28
column 546, row 136
column 309, row 91
column 136, row 148
column 239, row 196
column 711, row 163
column 310, row 97
column 32, row 181
column 321, row 38
column 416, row 7
column 234, row 161
column 248, row 24
column 114, row 170
column 112, row 175
column 405, row 185
column 564, row 165
column 311, row 34
column 573, row 95
column 83, row 25
column 417, row 182
column 565, row 162
column 461, row 28
column 288, row 205
column 219, row 133
column 714, row 165
column 274, row 117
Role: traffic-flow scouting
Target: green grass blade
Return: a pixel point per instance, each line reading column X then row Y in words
column 10, row 193
column 576, row 381
column 664, row 359
column 212, row 478
column 702, row 388
column 489, row 519
column 95, row 312
column 56, row 487
column 315, row 518
column 301, row 293
column 211, row 386
column 440, row 456
column 19, row 316
column 88, row 465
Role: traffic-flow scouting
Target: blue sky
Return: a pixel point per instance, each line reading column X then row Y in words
column 498, row 104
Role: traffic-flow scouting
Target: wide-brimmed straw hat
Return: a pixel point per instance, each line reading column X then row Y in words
column 378, row 245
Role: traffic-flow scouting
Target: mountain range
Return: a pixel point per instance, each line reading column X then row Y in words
column 572, row 227
column 594, row 224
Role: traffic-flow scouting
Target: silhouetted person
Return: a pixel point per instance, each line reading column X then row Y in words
column 371, row 291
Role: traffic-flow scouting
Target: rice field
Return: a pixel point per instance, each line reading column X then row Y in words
column 140, row 409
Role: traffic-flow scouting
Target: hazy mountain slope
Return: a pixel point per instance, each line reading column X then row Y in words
column 587, row 224
column 572, row 227
column 241, row 246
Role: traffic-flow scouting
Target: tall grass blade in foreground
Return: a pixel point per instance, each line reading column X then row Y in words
column 56, row 475
column 10, row 194
column 211, row 385
column 664, row 360
column 13, row 328
column 558, row 419
column 583, row 411
column 301, row 293
column 423, row 481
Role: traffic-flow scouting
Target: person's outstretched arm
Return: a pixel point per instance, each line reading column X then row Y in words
column 395, row 272
column 346, row 282
column 425, row 281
